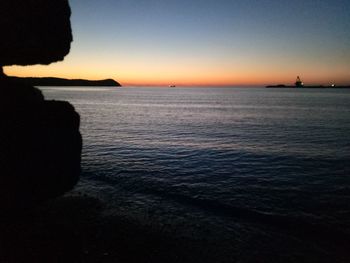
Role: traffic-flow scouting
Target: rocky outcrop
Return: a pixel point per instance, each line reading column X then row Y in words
column 34, row 31
column 40, row 146
column 40, row 142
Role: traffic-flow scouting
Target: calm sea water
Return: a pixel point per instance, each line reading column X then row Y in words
column 259, row 170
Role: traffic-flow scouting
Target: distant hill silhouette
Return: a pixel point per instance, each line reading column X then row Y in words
column 65, row 82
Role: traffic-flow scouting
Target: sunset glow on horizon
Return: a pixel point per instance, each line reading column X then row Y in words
column 224, row 42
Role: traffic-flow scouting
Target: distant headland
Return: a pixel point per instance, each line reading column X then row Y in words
column 66, row 82
column 299, row 84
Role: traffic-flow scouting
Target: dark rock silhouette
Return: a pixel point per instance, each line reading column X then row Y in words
column 40, row 143
column 34, row 31
column 40, row 146
column 66, row 82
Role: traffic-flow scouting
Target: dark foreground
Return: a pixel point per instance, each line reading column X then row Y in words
column 78, row 228
column 74, row 228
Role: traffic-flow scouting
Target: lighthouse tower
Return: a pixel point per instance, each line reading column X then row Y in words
column 299, row 83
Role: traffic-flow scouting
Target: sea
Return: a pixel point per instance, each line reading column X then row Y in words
column 262, row 173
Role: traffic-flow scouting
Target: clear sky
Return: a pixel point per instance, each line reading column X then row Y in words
column 206, row 42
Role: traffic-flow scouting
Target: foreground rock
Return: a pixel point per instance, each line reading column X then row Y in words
column 34, row 31
column 40, row 146
column 40, row 143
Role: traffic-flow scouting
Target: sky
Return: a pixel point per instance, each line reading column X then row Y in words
column 203, row 42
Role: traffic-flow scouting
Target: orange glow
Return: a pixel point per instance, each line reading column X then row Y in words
column 203, row 47
column 141, row 72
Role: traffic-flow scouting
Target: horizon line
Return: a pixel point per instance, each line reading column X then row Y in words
column 190, row 84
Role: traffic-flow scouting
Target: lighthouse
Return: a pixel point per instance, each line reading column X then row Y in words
column 299, row 83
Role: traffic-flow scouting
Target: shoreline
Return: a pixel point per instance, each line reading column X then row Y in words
column 74, row 228
column 80, row 227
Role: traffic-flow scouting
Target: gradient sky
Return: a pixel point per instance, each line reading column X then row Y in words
column 202, row 42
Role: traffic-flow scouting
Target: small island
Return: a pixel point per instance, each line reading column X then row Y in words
column 49, row 81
